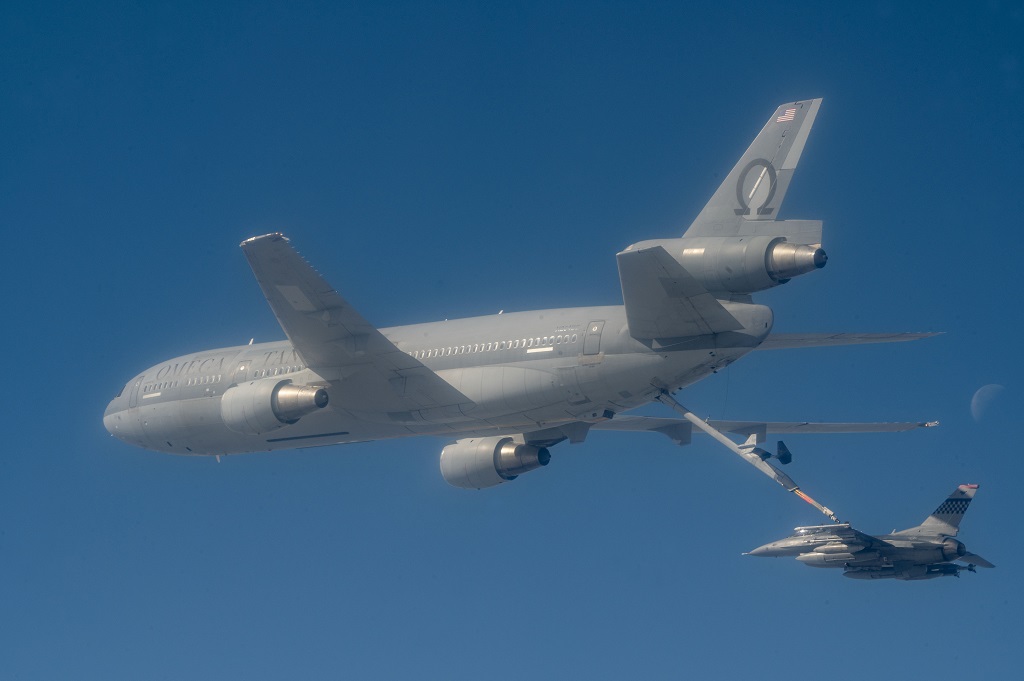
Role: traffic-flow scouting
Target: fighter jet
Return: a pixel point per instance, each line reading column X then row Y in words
column 504, row 388
column 923, row 552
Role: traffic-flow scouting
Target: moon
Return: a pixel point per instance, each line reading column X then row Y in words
column 983, row 398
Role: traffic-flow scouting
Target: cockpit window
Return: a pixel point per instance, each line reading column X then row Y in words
column 805, row 531
column 121, row 391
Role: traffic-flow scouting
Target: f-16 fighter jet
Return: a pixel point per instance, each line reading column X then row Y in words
column 923, row 552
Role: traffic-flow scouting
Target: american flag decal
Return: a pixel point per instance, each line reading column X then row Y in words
column 788, row 116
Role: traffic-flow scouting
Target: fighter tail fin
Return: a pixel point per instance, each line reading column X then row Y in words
column 748, row 201
column 946, row 518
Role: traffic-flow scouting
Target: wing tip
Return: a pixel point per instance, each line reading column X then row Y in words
column 805, row 100
column 273, row 236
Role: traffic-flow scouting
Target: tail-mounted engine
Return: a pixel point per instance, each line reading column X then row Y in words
column 476, row 463
column 261, row 406
column 747, row 264
column 742, row 264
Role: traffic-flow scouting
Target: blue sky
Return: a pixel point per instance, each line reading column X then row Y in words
column 446, row 160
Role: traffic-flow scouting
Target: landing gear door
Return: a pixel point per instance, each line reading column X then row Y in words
column 592, row 341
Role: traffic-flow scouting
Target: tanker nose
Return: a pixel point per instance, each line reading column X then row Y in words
column 111, row 421
column 123, row 425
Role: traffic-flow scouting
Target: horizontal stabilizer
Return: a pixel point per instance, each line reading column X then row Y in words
column 975, row 559
column 785, row 341
column 663, row 300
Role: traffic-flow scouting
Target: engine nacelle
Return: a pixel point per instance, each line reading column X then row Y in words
column 747, row 264
column 261, row 406
column 742, row 264
column 476, row 463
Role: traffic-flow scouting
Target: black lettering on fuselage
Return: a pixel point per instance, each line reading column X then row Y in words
column 195, row 366
column 280, row 357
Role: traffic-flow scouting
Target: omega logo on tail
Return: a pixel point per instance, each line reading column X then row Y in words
column 767, row 168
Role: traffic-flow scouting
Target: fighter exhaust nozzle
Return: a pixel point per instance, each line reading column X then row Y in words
column 952, row 549
column 787, row 260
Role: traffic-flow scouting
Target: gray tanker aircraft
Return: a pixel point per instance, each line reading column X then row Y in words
column 505, row 387
column 923, row 552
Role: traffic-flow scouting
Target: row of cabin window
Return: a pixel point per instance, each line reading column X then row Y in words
column 277, row 371
column 203, row 380
column 150, row 387
column 215, row 378
column 545, row 341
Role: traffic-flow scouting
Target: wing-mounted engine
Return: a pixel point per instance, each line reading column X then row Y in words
column 260, row 406
column 476, row 463
column 742, row 264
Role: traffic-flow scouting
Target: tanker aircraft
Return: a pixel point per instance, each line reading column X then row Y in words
column 504, row 388
column 923, row 552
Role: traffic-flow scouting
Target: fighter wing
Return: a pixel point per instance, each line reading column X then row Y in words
column 842, row 532
column 679, row 430
column 852, row 536
column 331, row 337
column 782, row 341
column 663, row 300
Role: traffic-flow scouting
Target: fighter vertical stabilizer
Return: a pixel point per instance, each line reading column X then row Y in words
column 946, row 518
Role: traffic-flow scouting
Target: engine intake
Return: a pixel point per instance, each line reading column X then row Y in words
column 477, row 463
column 260, row 406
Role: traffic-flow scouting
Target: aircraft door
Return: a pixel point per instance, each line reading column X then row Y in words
column 592, row 341
column 241, row 373
column 133, row 396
